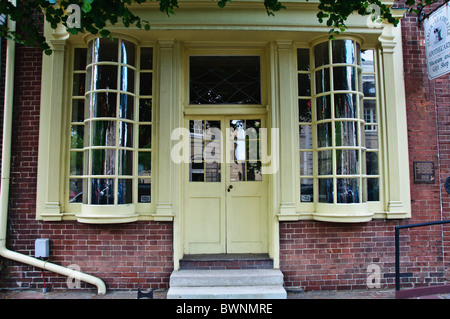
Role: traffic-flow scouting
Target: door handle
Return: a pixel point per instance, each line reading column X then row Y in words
column 229, row 188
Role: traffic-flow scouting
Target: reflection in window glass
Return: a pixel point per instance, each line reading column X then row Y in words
column 104, row 125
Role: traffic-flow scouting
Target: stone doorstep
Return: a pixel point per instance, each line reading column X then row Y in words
column 228, row 292
column 228, row 277
column 227, row 284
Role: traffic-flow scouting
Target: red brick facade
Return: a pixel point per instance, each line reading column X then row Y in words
column 313, row 255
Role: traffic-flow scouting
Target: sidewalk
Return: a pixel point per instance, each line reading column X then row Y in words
column 161, row 294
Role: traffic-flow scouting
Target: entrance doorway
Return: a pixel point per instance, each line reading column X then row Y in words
column 225, row 192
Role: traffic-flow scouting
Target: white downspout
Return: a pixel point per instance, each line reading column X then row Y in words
column 5, row 181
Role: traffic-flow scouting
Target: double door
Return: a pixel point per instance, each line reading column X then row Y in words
column 225, row 192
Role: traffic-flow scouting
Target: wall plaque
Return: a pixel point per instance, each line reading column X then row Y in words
column 424, row 172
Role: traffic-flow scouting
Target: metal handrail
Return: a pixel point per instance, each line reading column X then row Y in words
column 397, row 246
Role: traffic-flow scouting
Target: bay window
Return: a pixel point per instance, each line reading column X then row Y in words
column 111, row 130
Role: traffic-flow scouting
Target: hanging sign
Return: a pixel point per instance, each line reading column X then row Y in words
column 437, row 42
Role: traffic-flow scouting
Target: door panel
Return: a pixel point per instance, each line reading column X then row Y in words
column 225, row 203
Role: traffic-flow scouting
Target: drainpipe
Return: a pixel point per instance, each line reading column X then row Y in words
column 5, row 181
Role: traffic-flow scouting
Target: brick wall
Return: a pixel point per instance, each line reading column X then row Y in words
column 125, row 256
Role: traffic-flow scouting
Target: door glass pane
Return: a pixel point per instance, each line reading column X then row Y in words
column 237, row 172
column 245, row 150
column 205, row 151
column 224, row 80
column 254, row 171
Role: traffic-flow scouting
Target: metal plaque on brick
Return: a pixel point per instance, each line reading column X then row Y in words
column 437, row 42
column 424, row 172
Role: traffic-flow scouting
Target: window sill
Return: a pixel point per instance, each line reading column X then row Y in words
column 107, row 214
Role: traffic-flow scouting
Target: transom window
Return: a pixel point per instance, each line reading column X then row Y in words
column 111, row 124
column 224, row 80
column 338, row 140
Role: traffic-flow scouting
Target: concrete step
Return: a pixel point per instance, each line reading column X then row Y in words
column 229, row 277
column 227, row 292
column 225, row 284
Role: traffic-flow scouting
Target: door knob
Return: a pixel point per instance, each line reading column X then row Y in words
column 229, row 188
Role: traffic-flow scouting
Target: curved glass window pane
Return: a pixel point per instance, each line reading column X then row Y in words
column 125, row 162
column 326, row 190
column 104, row 77
column 103, row 133
column 345, row 106
column 104, row 50
column 324, row 135
column 128, row 53
column 346, row 133
column 344, row 78
column 348, row 190
column 104, row 104
column 325, row 159
column 343, row 51
column 126, row 108
column 347, row 162
column 127, row 79
column 323, row 107
column 102, row 191
column 322, row 80
column 125, row 134
column 103, row 161
column 321, row 54
column 125, row 191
